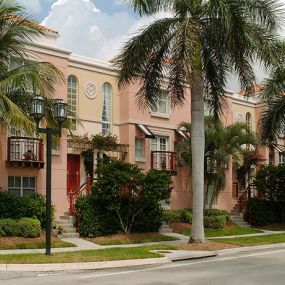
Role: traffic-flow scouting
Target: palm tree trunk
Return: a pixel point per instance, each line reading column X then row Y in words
column 197, row 149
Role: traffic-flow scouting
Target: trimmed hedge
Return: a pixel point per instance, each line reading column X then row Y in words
column 33, row 206
column 25, row 227
column 261, row 212
column 174, row 216
column 29, row 227
column 215, row 219
column 10, row 227
column 215, row 222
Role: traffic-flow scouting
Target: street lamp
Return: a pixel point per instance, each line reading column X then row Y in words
column 60, row 115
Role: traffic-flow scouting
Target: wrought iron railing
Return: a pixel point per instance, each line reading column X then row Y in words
column 25, row 149
column 164, row 160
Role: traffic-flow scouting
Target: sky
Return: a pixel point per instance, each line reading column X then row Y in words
column 94, row 28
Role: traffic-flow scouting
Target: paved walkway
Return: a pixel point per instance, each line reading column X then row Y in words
column 82, row 244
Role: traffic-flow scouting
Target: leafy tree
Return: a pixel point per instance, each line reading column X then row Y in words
column 196, row 47
column 124, row 189
column 221, row 144
column 20, row 82
column 272, row 121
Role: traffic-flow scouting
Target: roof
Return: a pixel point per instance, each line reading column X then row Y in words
column 46, row 29
column 252, row 90
column 32, row 23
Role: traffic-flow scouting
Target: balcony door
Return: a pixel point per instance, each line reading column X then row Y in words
column 160, row 145
column 73, row 172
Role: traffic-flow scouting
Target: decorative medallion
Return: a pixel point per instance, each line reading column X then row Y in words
column 90, row 90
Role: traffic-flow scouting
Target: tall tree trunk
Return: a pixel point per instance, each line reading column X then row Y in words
column 197, row 149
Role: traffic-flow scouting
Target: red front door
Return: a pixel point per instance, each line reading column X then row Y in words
column 73, row 172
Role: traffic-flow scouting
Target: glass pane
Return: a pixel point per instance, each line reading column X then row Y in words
column 33, row 182
column 15, row 191
column 25, row 181
column 17, row 181
column 11, row 181
column 28, row 192
column 162, row 107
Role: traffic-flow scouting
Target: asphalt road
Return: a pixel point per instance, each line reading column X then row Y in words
column 262, row 268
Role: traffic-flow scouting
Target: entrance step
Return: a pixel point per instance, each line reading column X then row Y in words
column 68, row 229
column 165, row 229
column 237, row 219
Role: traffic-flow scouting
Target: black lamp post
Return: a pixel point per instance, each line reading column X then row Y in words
column 60, row 114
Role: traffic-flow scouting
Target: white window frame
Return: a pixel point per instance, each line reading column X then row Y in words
column 107, row 103
column 21, row 187
column 140, row 149
column 281, row 158
column 72, row 97
column 155, row 111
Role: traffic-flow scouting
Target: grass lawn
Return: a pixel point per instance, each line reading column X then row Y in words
column 229, row 230
column 87, row 255
column 131, row 238
column 31, row 243
column 255, row 240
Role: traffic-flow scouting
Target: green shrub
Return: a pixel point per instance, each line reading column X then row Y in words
column 215, row 222
column 13, row 207
column 261, row 212
column 10, row 227
column 29, row 227
column 217, row 212
column 94, row 219
column 2, row 233
column 174, row 216
column 124, row 199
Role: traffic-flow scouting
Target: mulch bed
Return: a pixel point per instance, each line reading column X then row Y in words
column 126, row 238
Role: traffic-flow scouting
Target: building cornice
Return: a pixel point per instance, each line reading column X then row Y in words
column 50, row 50
column 91, row 64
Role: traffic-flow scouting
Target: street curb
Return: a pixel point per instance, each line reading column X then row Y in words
column 82, row 266
column 250, row 248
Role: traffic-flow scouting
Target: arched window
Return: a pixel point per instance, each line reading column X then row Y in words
column 107, row 108
column 248, row 121
column 72, row 90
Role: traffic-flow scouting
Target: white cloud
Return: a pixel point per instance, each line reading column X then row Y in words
column 90, row 32
column 32, row 6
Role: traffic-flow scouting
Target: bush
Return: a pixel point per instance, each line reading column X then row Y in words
column 261, row 212
column 10, row 227
column 174, row 216
column 2, row 233
column 29, row 227
column 216, row 212
column 215, row 222
column 13, row 207
column 123, row 199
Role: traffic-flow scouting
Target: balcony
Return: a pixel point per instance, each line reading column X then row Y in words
column 25, row 152
column 164, row 160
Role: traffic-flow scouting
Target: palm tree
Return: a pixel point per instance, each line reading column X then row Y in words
column 196, row 47
column 272, row 122
column 222, row 143
column 26, row 79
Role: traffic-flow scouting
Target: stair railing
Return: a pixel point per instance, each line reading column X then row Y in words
column 82, row 190
column 244, row 197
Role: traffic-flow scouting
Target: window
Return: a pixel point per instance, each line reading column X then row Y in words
column 107, row 109
column 72, row 98
column 281, row 157
column 271, row 158
column 162, row 106
column 159, row 143
column 21, row 186
column 139, row 149
column 248, row 120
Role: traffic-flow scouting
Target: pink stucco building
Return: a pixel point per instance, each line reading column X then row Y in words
column 149, row 136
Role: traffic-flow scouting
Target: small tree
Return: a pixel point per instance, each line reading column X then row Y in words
column 270, row 181
column 127, row 191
